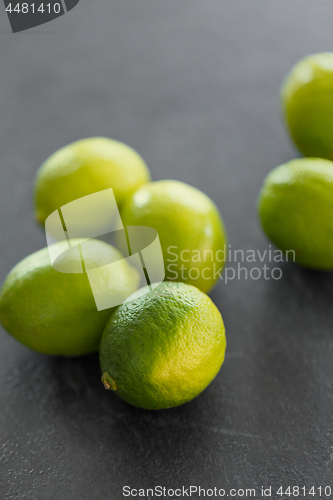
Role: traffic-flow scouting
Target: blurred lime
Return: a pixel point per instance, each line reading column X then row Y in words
column 54, row 312
column 307, row 100
column 296, row 210
column 161, row 349
column 84, row 167
column 189, row 226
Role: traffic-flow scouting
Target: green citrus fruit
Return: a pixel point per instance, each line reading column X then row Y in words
column 189, row 227
column 55, row 312
column 296, row 211
column 162, row 348
column 85, row 167
column 307, row 100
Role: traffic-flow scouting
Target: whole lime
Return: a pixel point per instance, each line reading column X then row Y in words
column 307, row 100
column 162, row 348
column 55, row 312
column 296, row 211
column 85, row 167
column 189, row 227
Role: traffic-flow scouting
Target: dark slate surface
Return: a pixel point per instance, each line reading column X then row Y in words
column 193, row 86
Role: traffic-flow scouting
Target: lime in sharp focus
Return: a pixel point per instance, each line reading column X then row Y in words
column 296, row 211
column 162, row 348
column 307, row 100
column 189, row 227
column 54, row 312
column 85, row 167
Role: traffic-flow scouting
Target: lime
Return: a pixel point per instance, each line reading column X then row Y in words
column 296, row 211
column 162, row 348
column 189, row 227
column 85, row 167
column 307, row 100
column 55, row 312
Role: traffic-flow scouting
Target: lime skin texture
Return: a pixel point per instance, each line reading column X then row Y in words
column 85, row 167
column 162, row 349
column 189, row 227
column 296, row 210
column 307, row 102
column 54, row 312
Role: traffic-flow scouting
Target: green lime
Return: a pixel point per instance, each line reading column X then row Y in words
column 307, row 100
column 296, row 211
column 189, row 227
column 162, row 348
column 85, row 167
column 55, row 312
